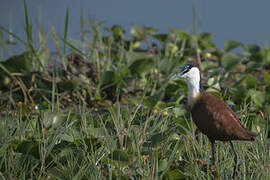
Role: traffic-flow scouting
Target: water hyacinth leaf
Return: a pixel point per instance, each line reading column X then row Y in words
column 20, row 63
column 265, row 55
column 251, row 82
column 150, row 102
column 161, row 37
column 257, row 97
column 267, row 78
column 175, row 175
column 253, row 66
column 29, row 148
column 107, row 77
column 204, row 40
column 179, row 111
column 229, row 61
column 117, row 31
column 181, row 35
column 157, row 139
column 120, row 155
column 53, row 119
column 163, row 165
column 141, row 66
column 69, row 85
column 141, row 33
column 133, row 56
column 96, row 132
column 230, row 45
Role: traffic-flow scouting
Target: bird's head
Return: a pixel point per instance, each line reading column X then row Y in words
column 189, row 73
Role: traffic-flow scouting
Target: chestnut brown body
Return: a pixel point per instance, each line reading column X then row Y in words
column 217, row 121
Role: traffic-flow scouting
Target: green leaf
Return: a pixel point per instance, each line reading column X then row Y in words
column 69, row 85
column 29, row 148
column 179, row 111
column 117, row 31
column 229, row 61
column 53, row 119
column 230, row 45
column 265, row 54
column 20, row 63
column 107, row 78
column 181, row 35
column 141, row 33
column 267, row 78
column 257, row 97
column 161, row 37
column 251, row 82
column 96, row 132
column 120, row 155
column 149, row 102
column 176, row 175
column 141, row 66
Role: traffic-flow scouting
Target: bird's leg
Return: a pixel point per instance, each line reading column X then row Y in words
column 213, row 145
column 235, row 160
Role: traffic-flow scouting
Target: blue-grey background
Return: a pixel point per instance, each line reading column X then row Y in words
column 242, row 20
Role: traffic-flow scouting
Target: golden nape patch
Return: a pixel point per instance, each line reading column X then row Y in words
column 192, row 100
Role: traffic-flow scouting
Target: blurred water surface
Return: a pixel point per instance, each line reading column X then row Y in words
column 241, row 20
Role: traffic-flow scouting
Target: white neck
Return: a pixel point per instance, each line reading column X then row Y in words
column 193, row 80
column 193, row 87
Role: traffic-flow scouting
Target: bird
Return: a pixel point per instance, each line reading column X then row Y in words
column 212, row 116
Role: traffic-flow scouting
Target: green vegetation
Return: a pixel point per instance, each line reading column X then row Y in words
column 108, row 110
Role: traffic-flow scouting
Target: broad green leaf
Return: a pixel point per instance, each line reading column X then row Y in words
column 176, row 175
column 161, row 37
column 53, row 119
column 120, row 155
column 150, row 102
column 179, row 111
column 257, row 97
column 229, row 61
column 20, row 63
column 181, row 35
column 265, row 54
column 29, row 148
column 230, row 45
column 117, row 31
column 96, row 132
column 141, row 66
column 251, row 82
column 107, row 77
column 267, row 78
column 141, row 33
column 69, row 85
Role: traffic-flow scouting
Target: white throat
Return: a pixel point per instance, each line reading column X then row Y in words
column 193, row 80
column 193, row 88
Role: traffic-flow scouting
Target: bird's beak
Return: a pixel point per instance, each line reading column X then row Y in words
column 177, row 75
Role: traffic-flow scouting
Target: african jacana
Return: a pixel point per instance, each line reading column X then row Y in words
column 211, row 115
